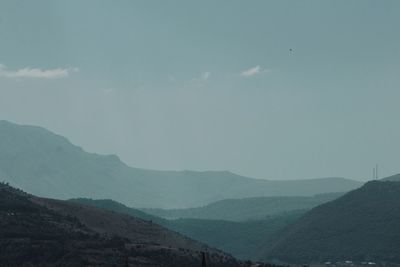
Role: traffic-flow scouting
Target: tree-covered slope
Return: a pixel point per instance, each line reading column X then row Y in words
column 46, row 232
column 363, row 225
column 48, row 165
column 241, row 239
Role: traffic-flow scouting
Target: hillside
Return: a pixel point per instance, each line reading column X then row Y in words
column 108, row 204
column 48, row 165
column 45, row 232
column 393, row 178
column 257, row 208
column 363, row 225
column 241, row 239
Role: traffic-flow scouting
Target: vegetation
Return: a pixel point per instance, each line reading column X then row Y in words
column 361, row 226
column 241, row 239
column 44, row 232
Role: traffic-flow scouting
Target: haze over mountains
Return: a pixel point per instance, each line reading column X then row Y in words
column 40, row 162
column 360, row 226
column 299, row 221
column 199, row 133
column 244, row 209
column 241, row 239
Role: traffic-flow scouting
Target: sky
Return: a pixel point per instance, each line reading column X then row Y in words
column 267, row 89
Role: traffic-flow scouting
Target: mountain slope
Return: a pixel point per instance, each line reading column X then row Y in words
column 108, row 204
column 45, row 232
column 241, row 239
column 256, row 208
column 362, row 225
column 48, row 165
column 393, row 178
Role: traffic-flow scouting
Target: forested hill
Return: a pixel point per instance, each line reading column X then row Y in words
column 241, row 239
column 362, row 225
column 46, row 232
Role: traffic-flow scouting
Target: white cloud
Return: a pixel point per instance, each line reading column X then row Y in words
column 205, row 75
column 253, row 71
column 36, row 73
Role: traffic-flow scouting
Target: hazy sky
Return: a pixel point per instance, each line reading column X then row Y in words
column 269, row 89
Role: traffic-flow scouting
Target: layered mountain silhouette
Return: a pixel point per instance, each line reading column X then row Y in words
column 48, row 165
column 250, row 218
column 363, row 225
column 46, row 232
column 256, row 208
column 360, row 226
column 241, row 239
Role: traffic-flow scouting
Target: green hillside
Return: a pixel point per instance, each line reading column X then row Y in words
column 363, row 225
column 111, row 205
column 47, row 232
column 241, row 239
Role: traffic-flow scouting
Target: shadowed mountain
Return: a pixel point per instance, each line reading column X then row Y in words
column 363, row 225
column 48, row 165
column 256, row 208
column 46, row 232
column 241, row 239
column 108, row 204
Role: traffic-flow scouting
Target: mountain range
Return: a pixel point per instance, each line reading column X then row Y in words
column 360, row 226
column 48, row 165
column 255, row 208
column 46, row 232
column 182, row 213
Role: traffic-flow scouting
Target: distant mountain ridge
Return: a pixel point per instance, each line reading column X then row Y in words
column 48, row 165
column 363, row 225
column 256, row 208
